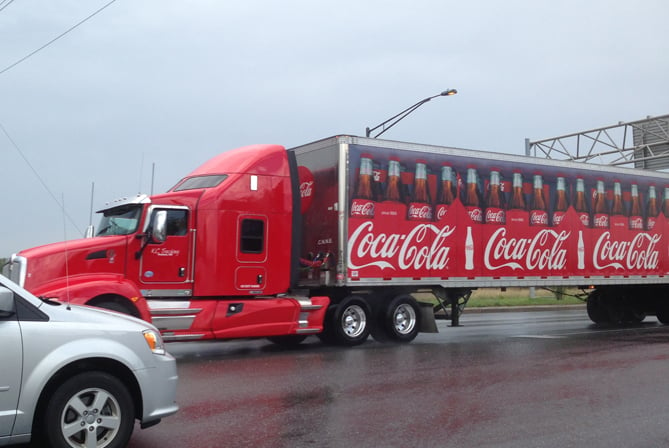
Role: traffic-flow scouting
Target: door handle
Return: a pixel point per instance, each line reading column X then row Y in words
column 260, row 279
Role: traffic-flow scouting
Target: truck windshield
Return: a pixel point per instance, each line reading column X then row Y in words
column 120, row 220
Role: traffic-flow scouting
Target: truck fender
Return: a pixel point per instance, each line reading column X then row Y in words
column 86, row 291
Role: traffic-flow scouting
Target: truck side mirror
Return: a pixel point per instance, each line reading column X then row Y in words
column 6, row 302
column 159, row 227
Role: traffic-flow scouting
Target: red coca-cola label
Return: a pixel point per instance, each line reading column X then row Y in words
column 584, row 217
column 362, row 208
column 636, row 223
column 495, row 215
column 306, row 187
column 538, row 218
column 419, row 212
column 441, row 211
column 475, row 213
column 558, row 217
column 651, row 222
column 601, row 221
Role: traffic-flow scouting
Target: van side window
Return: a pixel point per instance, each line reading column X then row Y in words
column 252, row 236
column 177, row 222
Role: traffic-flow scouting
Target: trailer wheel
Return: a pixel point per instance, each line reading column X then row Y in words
column 401, row 319
column 662, row 314
column 597, row 311
column 349, row 322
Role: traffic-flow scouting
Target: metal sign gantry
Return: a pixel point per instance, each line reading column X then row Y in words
column 641, row 144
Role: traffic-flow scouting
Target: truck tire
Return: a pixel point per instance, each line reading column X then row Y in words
column 349, row 322
column 289, row 340
column 90, row 409
column 597, row 311
column 401, row 319
column 115, row 303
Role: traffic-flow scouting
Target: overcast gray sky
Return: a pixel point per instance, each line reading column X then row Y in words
column 175, row 82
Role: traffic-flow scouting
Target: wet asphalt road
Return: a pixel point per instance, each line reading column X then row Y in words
column 537, row 379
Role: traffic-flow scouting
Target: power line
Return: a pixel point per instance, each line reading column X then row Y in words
column 55, row 38
column 5, row 3
column 61, row 205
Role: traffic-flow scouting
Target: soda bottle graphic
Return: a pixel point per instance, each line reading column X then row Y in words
column 363, row 201
column 472, row 202
column 652, row 208
column 445, row 196
column 665, row 202
column 601, row 218
column 420, row 208
column 495, row 213
column 469, row 250
column 636, row 220
column 393, row 182
column 580, row 251
column 538, row 213
column 517, row 197
column 617, row 209
column 561, row 204
column 580, row 206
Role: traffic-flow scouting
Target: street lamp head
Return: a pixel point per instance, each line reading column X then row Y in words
column 448, row 92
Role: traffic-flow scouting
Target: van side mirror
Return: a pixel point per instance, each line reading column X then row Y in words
column 159, row 227
column 7, row 306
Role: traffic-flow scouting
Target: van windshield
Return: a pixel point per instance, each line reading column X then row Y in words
column 120, row 221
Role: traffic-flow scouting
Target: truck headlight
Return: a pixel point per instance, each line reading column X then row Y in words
column 154, row 341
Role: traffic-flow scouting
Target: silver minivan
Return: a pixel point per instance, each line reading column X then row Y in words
column 75, row 376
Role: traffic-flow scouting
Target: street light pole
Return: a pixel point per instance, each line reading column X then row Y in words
column 397, row 118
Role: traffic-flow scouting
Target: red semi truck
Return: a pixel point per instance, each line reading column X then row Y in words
column 338, row 236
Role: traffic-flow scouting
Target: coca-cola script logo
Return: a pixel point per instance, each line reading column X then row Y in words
column 442, row 210
column 362, row 208
column 585, row 219
column 601, row 221
column 495, row 216
column 651, row 223
column 475, row 213
column 306, row 179
column 538, row 218
column 419, row 212
column 424, row 247
column 640, row 253
column 558, row 217
column 636, row 222
column 545, row 250
column 164, row 252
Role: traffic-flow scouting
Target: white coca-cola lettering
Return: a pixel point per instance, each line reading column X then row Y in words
column 636, row 222
column 494, row 215
column 543, row 251
column 441, row 211
column 640, row 253
column 538, row 217
column 585, row 219
column 601, row 221
column 306, row 189
column 423, row 247
column 651, row 223
column 475, row 213
column 360, row 208
column 420, row 211
column 558, row 217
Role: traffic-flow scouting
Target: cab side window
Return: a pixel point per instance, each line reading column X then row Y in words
column 177, row 222
column 252, row 236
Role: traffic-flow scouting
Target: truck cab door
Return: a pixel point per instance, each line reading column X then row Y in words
column 11, row 361
column 250, row 273
column 171, row 261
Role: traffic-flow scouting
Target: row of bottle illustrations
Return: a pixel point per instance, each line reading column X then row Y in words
column 544, row 205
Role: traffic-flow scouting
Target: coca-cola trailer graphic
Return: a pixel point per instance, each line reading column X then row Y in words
column 337, row 237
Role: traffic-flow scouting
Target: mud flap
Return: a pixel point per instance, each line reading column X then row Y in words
column 427, row 322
